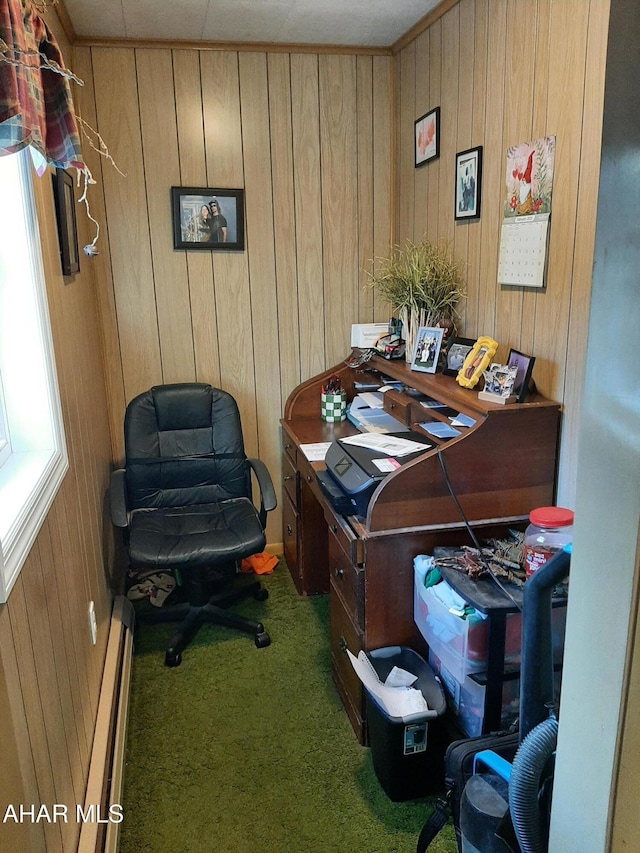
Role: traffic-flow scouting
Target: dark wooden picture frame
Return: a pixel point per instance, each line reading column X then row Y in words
column 219, row 228
column 457, row 350
column 468, row 183
column 65, row 204
column 427, row 137
column 524, row 363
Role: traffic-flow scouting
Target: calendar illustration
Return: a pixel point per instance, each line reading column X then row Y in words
column 523, row 250
column 527, row 210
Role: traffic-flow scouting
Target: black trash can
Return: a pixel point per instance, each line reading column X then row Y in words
column 407, row 752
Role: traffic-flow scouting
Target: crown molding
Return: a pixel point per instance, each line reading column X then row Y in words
column 422, row 25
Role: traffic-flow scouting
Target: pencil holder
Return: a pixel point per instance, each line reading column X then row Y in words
column 333, row 406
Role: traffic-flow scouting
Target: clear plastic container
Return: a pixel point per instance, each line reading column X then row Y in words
column 550, row 529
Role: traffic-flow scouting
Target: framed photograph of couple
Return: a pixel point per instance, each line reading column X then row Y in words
column 468, row 183
column 427, row 349
column 207, row 218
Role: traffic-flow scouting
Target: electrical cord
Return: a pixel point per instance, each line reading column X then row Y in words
column 474, row 539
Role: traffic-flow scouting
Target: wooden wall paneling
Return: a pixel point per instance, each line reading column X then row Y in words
column 79, row 364
column 284, row 223
column 339, row 163
column 53, row 587
column 33, row 697
column 434, row 59
column 223, row 146
column 567, row 67
column 539, row 129
column 384, row 168
column 365, row 135
column 260, row 252
column 469, row 326
column 119, row 122
column 63, row 535
column 76, row 353
column 449, row 110
column 516, row 128
column 493, row 168
column 422, row 106
column 193, row 173
column 42, row 639
column 18, row 783
column 466, row 98
column 159, row 138
column 406, row 144
column 84, row 97
column 307, row 187
column 584, row 245
column 74, row 637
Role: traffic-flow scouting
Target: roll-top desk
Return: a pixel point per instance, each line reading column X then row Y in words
column 499, row 469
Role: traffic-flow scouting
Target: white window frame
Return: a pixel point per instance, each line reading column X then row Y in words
column 34, row 465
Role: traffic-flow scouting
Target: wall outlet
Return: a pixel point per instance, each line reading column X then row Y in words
column 93, row 625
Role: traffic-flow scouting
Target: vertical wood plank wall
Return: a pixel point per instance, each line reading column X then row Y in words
column 308, row 137
column 504, row 72
column 50, row 674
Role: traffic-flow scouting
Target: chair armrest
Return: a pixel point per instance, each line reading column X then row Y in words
column 267, row 492
column 118, row 498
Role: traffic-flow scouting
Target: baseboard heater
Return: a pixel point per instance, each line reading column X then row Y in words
column 100, row 833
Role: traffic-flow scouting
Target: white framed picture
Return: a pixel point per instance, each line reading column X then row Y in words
column 427, row 349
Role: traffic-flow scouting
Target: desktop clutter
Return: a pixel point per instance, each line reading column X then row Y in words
column 492, row 613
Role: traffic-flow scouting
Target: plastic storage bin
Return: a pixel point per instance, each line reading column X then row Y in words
column 407, row 753
column 460, row 643
column 466, row 698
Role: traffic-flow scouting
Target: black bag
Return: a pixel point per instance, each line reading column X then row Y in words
column 458, row 768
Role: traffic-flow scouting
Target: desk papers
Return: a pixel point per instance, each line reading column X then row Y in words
column 316, row 452
column 391, row 445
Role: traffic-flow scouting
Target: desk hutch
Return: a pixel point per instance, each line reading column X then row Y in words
column 499, row 469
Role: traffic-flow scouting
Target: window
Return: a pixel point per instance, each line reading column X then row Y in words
column 33, row 458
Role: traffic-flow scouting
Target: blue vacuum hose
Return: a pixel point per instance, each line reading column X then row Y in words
column 524, row 785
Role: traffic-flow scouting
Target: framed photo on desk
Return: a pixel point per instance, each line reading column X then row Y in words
column 427, row 349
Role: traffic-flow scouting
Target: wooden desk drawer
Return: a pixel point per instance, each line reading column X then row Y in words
column 345, row 536
column 348, row 580
column 290, row 522
column 398, row 404
column 290, row 478
column 289, row 447
column 345, row 635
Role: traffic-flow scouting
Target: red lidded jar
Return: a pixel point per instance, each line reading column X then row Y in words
column 550, row 529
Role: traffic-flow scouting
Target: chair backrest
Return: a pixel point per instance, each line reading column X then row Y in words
column 183, row 446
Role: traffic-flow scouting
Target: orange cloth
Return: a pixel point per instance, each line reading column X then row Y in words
column 260, row 564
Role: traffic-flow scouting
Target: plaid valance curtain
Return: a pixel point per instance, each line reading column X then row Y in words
column 35, row 99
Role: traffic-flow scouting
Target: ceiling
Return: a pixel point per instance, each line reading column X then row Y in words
column 370, row 23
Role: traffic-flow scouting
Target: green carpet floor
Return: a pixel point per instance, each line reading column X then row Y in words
column 245, row 750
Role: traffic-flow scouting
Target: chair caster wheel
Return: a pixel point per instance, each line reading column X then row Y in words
column 261, row 594
column 262, row 640
column 171, row 659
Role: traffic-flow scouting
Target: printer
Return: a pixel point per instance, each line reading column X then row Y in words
column 353, row 472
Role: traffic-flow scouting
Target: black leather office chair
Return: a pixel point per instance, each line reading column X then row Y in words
column 184, row 498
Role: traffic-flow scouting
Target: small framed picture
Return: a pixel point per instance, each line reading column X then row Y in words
column 427, row 137
column 427, row 349
column 457, row 351
column 66, row 219
column 468, row 183
column 524, row 363
column 209, row 219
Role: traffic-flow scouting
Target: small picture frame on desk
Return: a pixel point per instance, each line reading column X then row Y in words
column 427, row 349
column 524, row 363
column 457, row 351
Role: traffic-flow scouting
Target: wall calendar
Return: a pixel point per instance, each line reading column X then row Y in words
column 523, row 250
column 527, row 211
